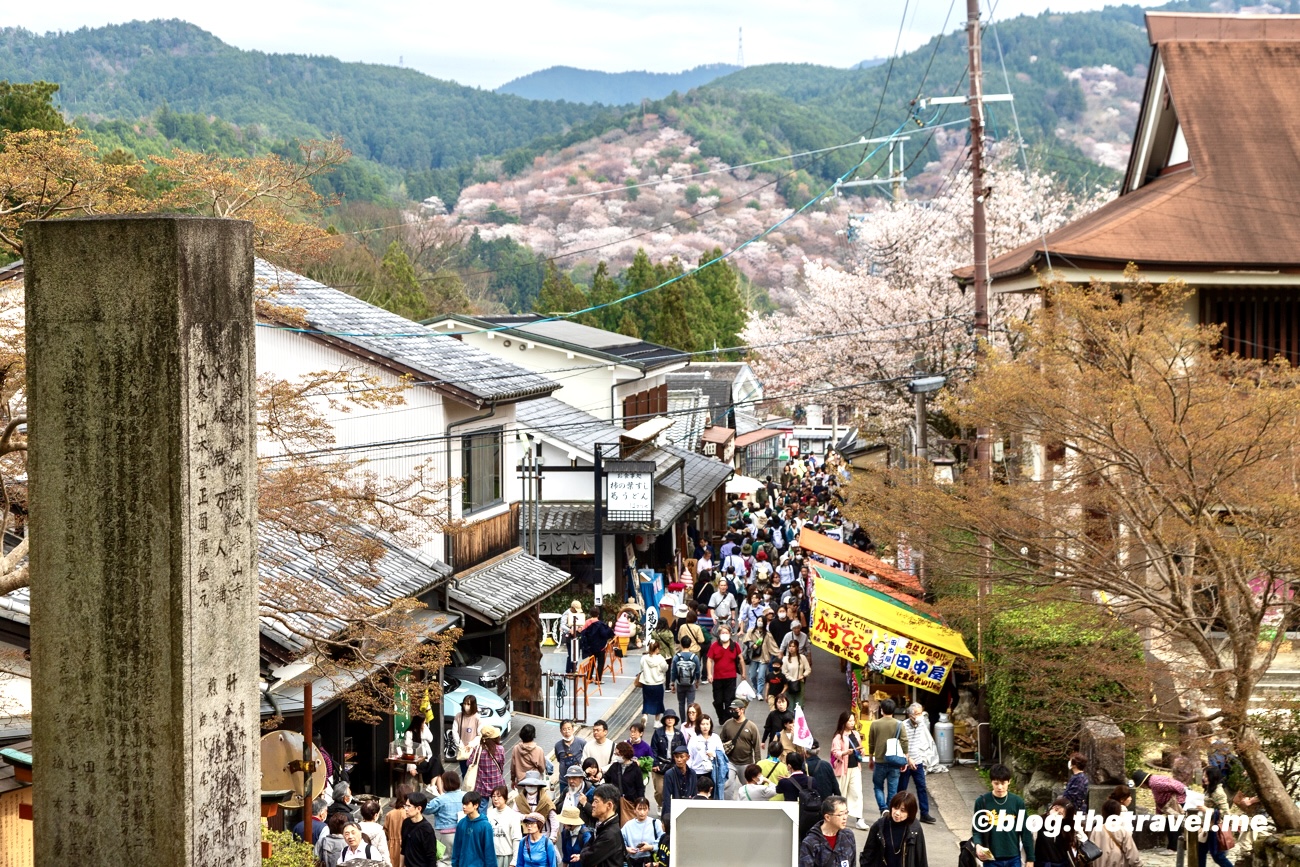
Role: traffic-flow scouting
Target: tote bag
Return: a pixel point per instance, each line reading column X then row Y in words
column 894, row 755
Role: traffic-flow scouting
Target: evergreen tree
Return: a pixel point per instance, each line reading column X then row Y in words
column 726, row 314
column 558, row 293
column 29, row 106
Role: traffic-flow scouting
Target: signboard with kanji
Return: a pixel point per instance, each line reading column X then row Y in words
column 629, row 491
column 873, row 647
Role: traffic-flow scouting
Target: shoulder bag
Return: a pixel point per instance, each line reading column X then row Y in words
column 894, row 755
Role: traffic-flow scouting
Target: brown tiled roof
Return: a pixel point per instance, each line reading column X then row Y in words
column 1237, row 206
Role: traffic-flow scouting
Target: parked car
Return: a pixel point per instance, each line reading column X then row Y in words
column 488, row 671
column 492, row 708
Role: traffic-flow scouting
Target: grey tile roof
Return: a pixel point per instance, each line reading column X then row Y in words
column 17, row 606
column 704, row 475
column 285, row 565
column 502, row 587
column 584, row 338
column 452, row 364
column 717, row 390
column 569, row 425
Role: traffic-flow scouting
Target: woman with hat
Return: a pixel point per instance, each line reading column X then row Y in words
column 535, row 849
column 574, row 835
column 533, row 797
column 490, row 759
column 662, row 743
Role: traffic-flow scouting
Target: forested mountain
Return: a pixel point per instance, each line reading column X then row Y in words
column 610, row 88
column 398, row 117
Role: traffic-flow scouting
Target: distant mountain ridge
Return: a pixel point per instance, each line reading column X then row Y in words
column 570, row 84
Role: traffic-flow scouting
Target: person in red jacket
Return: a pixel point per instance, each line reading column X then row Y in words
column 725, row 663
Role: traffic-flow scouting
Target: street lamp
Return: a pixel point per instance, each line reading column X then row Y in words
column 920, row 387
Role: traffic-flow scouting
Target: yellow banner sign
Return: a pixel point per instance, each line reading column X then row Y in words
column 864, row 643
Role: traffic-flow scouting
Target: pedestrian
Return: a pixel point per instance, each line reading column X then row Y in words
column 605, row 848
column 444, row 811
column 344, row 803
column 641, row 835
column 679, row 781
column 473, row 844
column 921, row 751
column 576, row 792
column 393, row 824
column 722, row 606
column 490, row 761
column 665, row 739
column 574, row 835
column 571, row 622
column 684, row 676
column 1004, row 846
column 374, row 831
column 526, row 755
column 419, row 842
column 568, row 749
column 651, row 679
column 625, row 775
column 331, row 845
column 846, row 759
column 755, row 787
column 636, row 737
column 418, row 741
column 821, row 772
column 1076, row 790
column 535, row 848
column 774, row 769
column 533, row 796
column 1116, row 844
column 885, row 768
column 831, row 843
column 758, row 650
column 1215, row 808
column 895, row 839
column 707, row 756
column 466, row 732
column 691, row 720
column 319, row 810
column 593, row 641
column 506, row 831
column 1170, row 795
column 600, row 747
column 357, row 848
column 743, row 744
column 725, row 664
column 777, row 718
column 1054, row 846
column 794, row 670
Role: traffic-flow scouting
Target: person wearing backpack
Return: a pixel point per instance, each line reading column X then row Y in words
column 798, row 788
column 885, row 767
column 830, row 843
column 684, row 673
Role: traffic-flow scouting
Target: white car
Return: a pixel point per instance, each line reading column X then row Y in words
column 493, row 710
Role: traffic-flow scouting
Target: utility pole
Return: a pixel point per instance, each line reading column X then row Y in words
column 983, row 435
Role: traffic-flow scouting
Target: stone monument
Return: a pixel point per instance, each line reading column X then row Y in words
column 143, row 468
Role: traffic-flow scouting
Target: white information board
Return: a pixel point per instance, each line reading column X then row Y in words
column 735, row 833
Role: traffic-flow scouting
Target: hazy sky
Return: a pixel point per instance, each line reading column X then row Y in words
column 486, row 44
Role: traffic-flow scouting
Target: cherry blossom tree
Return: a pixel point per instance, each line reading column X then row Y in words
column 893, row 298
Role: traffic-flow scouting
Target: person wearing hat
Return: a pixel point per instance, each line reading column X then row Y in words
column 533, row 796
column 535, row 849
column 577, row 793
column 679, row 781
column 574, row 834
column 665, row 739
column 490, row 761
column 1170, row 796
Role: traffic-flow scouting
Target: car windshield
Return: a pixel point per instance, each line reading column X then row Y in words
column 450, row 684
column 461, row 657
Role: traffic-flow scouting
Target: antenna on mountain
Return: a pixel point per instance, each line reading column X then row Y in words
column 740, row 48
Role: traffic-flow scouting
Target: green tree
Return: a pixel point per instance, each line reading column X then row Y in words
column 559, row 294
column 29, row 106
column 724, row 312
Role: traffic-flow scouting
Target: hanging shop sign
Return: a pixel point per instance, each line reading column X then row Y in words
column 875, row 648
column 629, row 491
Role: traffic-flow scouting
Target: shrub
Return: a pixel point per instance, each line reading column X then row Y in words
column 693, row 193
column 1053, row 663
column 287, row 851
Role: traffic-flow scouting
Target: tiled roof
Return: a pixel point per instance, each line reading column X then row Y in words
column 558, row 421
column 502, row 587
column 8, row 782
column 450, row 363
column 670, row 505
column 17, row 606
column 284, row 563
column 571, row 335
column 704, row 475
column 1231, row 208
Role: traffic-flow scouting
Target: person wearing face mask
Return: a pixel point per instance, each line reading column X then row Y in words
column 921, row 750
column 725, row 664
column 779, row 628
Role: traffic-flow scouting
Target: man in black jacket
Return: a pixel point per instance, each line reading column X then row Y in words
column 593, row 639
column 605, row 848
column 679, row 782
column 823, row 775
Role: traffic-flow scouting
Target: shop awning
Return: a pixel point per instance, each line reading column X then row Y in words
column 818, row 543
column 755, row 436
column 743, row 485
column 880, row 633
column 504, row 586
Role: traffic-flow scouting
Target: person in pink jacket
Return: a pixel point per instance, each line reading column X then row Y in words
column 846, row 761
